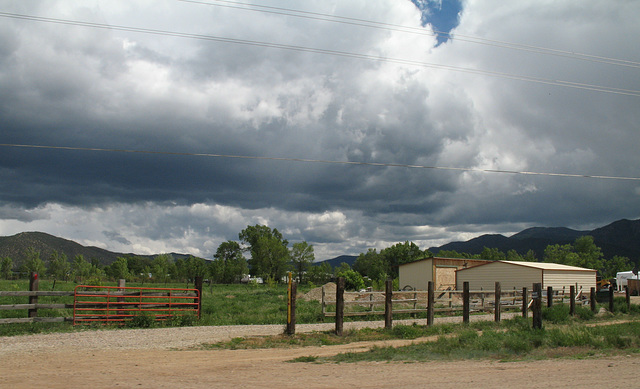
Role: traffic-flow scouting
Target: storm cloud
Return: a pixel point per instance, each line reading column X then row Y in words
column 373, row 95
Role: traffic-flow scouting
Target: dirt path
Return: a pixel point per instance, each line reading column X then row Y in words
column 144, row 359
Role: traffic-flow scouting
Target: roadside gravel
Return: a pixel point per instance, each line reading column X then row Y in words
column 175, row 337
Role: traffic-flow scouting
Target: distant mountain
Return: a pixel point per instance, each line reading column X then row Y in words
column 15, row 247
column 618, row 238
column 335, row 262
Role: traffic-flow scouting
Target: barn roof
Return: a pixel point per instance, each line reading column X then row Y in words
column 540, row 265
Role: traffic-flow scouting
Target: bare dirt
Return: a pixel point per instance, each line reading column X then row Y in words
column 160, row 358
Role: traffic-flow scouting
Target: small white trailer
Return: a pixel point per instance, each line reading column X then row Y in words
column 622, row 277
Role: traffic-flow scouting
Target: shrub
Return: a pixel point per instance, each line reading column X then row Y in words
column 142, row 320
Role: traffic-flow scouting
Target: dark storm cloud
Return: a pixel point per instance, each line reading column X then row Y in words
column 72, row 86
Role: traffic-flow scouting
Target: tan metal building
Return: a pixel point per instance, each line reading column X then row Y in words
column 512, row 274
column 440, row 270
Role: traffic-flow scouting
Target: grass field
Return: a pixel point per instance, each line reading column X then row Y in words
column 221, row 305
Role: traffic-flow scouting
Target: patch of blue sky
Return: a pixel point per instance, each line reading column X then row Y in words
column 442, row 15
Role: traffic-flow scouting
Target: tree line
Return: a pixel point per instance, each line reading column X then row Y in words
column 271, row 258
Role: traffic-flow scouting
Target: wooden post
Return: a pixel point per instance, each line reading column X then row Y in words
column 465, row 302
column 388, row 307
column 525, row 303
column 291, row 317
column 592, row 299
column 33, row 287
column 572, row 303
column 197, row 282
column 550, row 296
column 627, row 295
column 339, row 305
column 537, row 305
column 430, row 303
column 121, row 284
column 496, row 312
column 611, row 299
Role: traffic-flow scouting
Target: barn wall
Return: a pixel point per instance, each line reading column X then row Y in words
column 558, row 279
column 509, row 276
column 416, row 274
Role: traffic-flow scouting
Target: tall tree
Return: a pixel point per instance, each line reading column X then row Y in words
column 33, row 263
column 229, row 265
column 269, row 252
column 401, row 253
column 302, row 257
column 81, row 268
column 59, row 266
column 371, row 264
column 120, row 269
column 160, row 267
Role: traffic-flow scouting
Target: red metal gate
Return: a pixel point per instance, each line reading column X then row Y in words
column 115, row 304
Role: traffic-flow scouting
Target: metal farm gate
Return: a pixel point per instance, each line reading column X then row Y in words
column 116, row 304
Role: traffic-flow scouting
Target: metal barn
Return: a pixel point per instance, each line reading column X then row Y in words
column 440, row 270
column 516, row 275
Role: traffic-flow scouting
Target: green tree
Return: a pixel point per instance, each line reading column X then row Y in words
column 81, row 268
column 33, row 263
column 372, row 265
column 59, row 266
column 615, row 265
column 402, row 253
column 352, row 279
column 530, row 256
column 269, row 252
column 302, row 257
column 6, row 268
column 120, row 269
column 229, row 264
column 319, row 274
column 582, row 253
column 512, row 255
column 492, row 254
column 160, row 267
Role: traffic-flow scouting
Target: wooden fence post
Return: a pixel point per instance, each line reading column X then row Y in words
column 121, row 284
column 430, row 303
column 537, row 305
column 388, row 313
column 339, row 305
column 33, row 287
column 291, row 314
column 465, row 302
column 572, row 303
column 496, row 311
column 197, row 282
column 627, row 296
column 550, row 296
column 525, row 303
column 592, row 299
column 610, row 299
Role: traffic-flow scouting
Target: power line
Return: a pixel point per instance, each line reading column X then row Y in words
column 414, row 30
column 376, row 164
column 568, row 84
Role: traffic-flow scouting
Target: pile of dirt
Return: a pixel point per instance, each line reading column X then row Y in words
column 315, row 294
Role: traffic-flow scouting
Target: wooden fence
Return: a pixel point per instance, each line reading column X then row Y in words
column 445, row 301
column 97, row 305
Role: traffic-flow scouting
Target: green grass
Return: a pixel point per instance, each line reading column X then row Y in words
column 221, row 305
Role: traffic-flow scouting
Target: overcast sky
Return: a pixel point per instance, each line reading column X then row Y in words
column 203, row 77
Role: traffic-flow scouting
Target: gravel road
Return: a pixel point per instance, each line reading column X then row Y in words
column 176, row 337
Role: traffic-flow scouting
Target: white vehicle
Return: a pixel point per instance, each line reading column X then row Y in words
column 622, row 277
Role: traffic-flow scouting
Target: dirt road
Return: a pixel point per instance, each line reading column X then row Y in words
column 148, row 359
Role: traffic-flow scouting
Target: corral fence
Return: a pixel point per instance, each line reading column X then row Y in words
column 452, row 302
column 369, row 302
column 104, row 304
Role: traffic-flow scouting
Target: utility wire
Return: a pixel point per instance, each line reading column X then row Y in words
column 568, row 84
column 414, row 30
column 377, row 164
